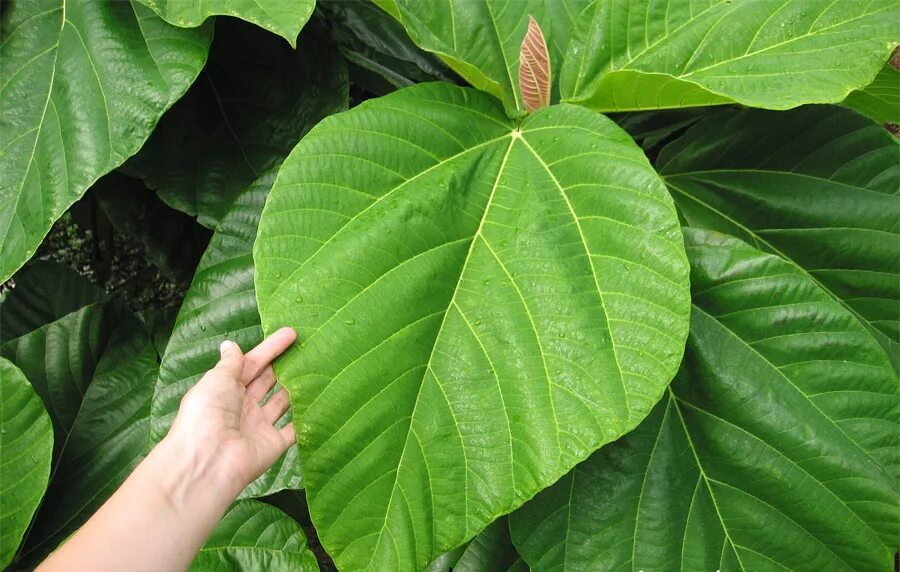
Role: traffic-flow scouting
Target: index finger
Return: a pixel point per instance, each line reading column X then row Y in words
column 257, row 359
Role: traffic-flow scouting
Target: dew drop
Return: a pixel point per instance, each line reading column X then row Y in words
column 302, row 344
column 487, row 281
column 202, row 328
column 298, row 299
column 477, row 322
column 350, row 321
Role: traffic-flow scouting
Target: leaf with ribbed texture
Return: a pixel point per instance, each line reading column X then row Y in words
column 82, row 86
column 474, row 315
column 94, row 369
column 254, row 100
column 374, row 42
column 219, row 305
column 627, row 55
column 254, row 537
column 481, row 39
column 880, row 100
column 26, row 449
column 282, row 17
column 818, row 186
column 534, row 69
column 44, row 292
column 774, row 449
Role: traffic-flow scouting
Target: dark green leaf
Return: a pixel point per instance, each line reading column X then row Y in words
column 26, row 449
column 220, row 305
column 474, row 314
column 776, row 448
column 253, row 102
column 83, row 85
column 253, row 536
column 372, row 40
column 282, row 17
column 44, row 292
column 490, row 551
column 818, row 186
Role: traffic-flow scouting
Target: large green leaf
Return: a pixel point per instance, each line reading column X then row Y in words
column 219, row 305
column 253, row 536
column 774, row 449
column 254, row 100
column 480, row 303
column 818, row 186
column 480, row 39
column 282, row 17
column 94, row 369
column 81, row 87
column 777, row 54
column 880, row 100
column 26, row 448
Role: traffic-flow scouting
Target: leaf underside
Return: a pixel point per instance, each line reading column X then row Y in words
column 474, row 314
column 534, row 69
column 775, row 448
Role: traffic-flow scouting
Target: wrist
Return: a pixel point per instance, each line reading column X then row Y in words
column 191, row 479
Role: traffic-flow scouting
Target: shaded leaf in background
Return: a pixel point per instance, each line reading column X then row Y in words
column 627, row 55
column 776, row 448
column 490, row 551
column 82, row 86
column 172, row 240
column 254, row 100
column 220, row 305
column 456, row 280
column 44, row 292
column 285, row 18
column 880, row 100
column 255, row 536
column 651, row 128
column 481, row 40
column 94, row 368
column 382, row 58
column 817, row 185
column 26, row 449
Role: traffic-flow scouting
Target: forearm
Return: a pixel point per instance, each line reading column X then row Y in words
column 158, row 519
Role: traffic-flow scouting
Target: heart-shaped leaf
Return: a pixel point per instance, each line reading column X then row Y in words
column 26, row 449
column 818, row 185
column 277, row 16
column 774, row 449
column 480, row 305
column 83, row 84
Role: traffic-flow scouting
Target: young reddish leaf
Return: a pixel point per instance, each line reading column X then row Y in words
column 534, row 68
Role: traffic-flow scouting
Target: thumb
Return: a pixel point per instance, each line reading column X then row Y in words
column 232, row 359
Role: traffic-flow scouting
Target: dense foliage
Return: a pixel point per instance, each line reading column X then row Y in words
column 579, row 284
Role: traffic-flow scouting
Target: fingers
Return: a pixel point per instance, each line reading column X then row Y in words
column 231, row 361
column 259, row 387
column 276, row 406
column 287, row 432
column 262, row 355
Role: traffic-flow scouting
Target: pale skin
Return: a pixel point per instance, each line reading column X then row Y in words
column 222, row 439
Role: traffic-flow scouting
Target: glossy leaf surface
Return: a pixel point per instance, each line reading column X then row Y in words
column 481, row 40
column 818, row 186
column 219, row 305
column 277, row 16
column 648, row 54
column 254, row 100
column 473, row 314
column 26, row 449
column 776, row 448
column 82, row 86
column 255, row 536
column 94, row 369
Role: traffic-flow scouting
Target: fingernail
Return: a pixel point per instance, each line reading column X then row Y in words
column 225, row 347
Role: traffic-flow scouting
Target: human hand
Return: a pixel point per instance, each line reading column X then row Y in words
column 221, row 425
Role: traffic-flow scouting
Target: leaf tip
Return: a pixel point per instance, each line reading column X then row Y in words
column 534, row 68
